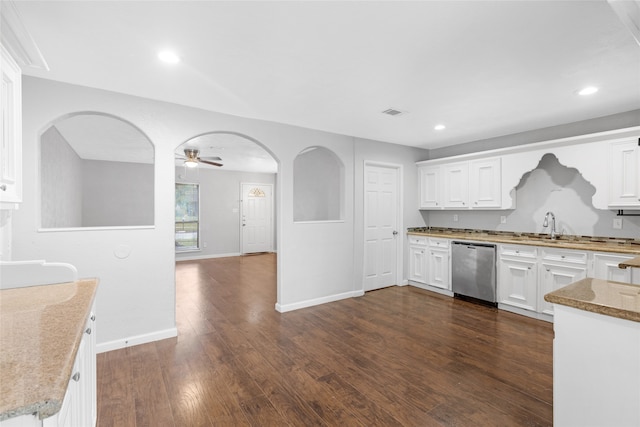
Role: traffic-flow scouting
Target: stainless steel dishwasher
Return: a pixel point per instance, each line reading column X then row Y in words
column 473, row 270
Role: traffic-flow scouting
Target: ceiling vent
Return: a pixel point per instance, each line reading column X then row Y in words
column 393, row 112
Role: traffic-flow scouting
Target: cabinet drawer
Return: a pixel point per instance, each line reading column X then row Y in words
column 519, row 251
column 564, row 255
column 417, row 240
column 438, row 243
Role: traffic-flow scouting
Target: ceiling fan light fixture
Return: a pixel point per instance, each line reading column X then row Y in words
column 190, row 163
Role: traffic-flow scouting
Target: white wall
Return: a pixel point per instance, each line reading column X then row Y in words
column 219, row 208
column 116, row 193
column 61, row 182
column 136, row 297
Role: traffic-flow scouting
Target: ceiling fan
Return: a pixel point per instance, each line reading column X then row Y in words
column 191, row 158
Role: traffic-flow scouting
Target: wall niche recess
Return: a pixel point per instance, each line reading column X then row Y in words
column 318, row 186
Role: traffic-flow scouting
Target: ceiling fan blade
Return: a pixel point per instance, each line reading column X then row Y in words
column 210, row 163
column 213, row 159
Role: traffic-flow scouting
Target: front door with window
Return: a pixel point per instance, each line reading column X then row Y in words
column 256, row 220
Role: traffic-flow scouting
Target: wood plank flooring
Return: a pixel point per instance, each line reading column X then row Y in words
column 396, row 356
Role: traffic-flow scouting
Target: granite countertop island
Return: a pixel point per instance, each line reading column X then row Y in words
column 596, row 353
column 587, row 243
column 40, row 330
column 614, row 299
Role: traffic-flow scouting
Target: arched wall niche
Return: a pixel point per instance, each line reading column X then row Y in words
column 96, row 170
column 318, row 186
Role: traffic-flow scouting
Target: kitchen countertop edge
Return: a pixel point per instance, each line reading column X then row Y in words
column 49, row 400
column 581, row 295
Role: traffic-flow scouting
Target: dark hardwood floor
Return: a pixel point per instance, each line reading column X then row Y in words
column 396, row 356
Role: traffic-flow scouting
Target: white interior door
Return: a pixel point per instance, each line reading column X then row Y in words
column 381, row 214
column 256, row 222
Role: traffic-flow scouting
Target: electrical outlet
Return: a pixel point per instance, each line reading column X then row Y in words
column 204, row 244
column 503, row 219
column 455, row 217
column 617, row 223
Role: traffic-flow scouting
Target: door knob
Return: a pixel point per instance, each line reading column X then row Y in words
column 395, row 232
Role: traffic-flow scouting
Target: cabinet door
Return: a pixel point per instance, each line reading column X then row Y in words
column 555, row 276
column 439, row 269
column 10, row 131
column 418, row 264
column 517, row 283
column 624, row 174
column 456, row 185
column 605, row 267
column 430, row 187
column 485, row 184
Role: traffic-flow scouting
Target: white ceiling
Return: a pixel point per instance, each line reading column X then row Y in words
column 483, row 68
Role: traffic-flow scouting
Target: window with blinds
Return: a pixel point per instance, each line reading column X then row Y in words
column 187, row 217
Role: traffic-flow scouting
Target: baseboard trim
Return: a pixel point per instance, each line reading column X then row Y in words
column 317, row 301
column 136, row 340
column 196, row 257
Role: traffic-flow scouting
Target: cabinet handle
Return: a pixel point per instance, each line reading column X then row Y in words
column 88, row 331
column 93, row 317
column 3, row 187
column 76, row 377
column 436, row 203
column 476, row 203
column 528, row 268
column 548, row 269
column 562, row 256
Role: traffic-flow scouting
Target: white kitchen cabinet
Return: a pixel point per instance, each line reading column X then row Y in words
column 456, row 185
column 10, row 132
column 430, row 187
column 558, row 268
column 439, row 265
column 605, row 266
column 485, row 185
column 624, row 174
column 418, row 259
column 517, row 276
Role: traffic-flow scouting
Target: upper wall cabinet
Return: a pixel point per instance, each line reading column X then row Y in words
column 474, row 184
column 624, row 174
column 10, row 131
column 456, row 185
column 430, row 182
column 485, row 184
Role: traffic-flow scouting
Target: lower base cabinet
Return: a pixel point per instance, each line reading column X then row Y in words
column 438, row 270
column 518, row 283
column 418, row 263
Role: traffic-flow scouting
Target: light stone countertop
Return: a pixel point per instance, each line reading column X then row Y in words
column 40, row 331
column 586, row 243
column 615, row 299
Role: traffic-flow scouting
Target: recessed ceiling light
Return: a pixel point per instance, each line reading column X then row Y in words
column 168, row 56
column 440, row 127
column 589, row 90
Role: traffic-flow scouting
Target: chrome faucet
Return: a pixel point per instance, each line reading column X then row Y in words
column 545, row 223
